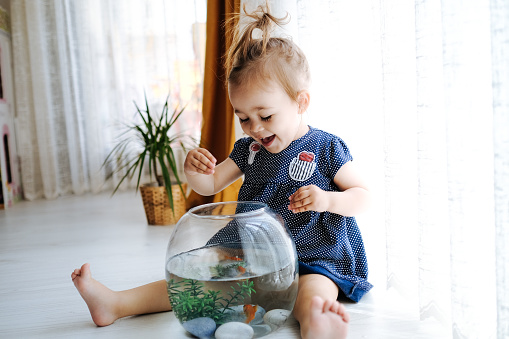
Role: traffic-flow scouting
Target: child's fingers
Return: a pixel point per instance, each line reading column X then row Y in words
column 296, row 193
column 200, row 161
column 301, row 194
column 204, row 160
column 306, row 198
column 300, row 204
column 203, row 167
column 302, row 208
column 300, row 201
column 207, row 155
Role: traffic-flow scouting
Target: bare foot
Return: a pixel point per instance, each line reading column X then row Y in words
column 100, row 299
column 328, row 319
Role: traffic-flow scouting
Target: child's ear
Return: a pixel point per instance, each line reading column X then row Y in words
column 303, row 100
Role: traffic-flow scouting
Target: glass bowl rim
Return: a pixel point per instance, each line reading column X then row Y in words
column 262, row 206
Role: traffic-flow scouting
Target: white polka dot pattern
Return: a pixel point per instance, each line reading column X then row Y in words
column 328, row 240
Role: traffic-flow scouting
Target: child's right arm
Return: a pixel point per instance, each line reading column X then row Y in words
column 204, row 176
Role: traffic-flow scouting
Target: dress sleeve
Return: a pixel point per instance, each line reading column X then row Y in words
column 338, row 156
column 240, row 153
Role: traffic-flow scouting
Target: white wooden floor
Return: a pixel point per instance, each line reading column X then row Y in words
column 42, row 242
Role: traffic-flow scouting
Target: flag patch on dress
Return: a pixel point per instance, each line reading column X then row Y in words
column 302, row 166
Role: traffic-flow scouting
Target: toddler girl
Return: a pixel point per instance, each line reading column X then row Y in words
column 304, row 174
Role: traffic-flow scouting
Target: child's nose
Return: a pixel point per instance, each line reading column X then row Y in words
column 256, row 127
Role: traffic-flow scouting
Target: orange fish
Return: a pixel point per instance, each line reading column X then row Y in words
column 241, row 269
column 236, row 258
column 250, row 312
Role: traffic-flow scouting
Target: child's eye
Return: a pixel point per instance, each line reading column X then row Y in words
column 267, row 118
column 243, row 120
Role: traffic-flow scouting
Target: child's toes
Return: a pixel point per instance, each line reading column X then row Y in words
column 343, row 313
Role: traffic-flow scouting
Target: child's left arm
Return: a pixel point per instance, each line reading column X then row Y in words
column 352, row 199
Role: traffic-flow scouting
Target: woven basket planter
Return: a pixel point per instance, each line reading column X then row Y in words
column 157, row 205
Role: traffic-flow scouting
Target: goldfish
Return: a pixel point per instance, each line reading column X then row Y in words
column 235, row 258
column 250, row 312
column 241, row 269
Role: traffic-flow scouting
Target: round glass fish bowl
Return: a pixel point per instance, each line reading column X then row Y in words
column 231, row 268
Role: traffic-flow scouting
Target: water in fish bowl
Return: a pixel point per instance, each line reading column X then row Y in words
column 225, row 283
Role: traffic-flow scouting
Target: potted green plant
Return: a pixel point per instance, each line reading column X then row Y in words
column 150, row 144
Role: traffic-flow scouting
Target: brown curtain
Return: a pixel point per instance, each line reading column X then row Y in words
column 218, row 129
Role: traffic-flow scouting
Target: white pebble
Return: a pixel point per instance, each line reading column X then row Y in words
column 276, row 317
column 234, row 330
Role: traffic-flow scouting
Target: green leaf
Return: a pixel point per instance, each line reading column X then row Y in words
column 156, row 146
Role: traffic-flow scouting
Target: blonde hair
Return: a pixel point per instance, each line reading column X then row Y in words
column 254, row 61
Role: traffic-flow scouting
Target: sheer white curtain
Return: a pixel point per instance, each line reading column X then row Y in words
column 419, row 90
column 78, row 67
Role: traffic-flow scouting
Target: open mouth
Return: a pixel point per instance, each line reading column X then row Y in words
column 268, row 140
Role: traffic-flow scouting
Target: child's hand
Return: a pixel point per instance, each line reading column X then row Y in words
column 308, row 198
column 199, row 161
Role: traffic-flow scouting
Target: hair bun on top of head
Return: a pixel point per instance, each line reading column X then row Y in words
column 251, row 59
column 260, row 18
column 264, row 21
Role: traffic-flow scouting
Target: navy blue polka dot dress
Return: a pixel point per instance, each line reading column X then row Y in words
column 327, row 243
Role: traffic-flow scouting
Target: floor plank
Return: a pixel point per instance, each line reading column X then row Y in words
column 41, row 243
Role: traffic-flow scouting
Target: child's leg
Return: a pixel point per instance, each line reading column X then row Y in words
column 106, row 305
column 319, row 313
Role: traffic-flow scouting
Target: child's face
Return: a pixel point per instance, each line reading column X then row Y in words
column 268, row 115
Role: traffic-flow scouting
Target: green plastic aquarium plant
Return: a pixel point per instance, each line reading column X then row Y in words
column 193, row 302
